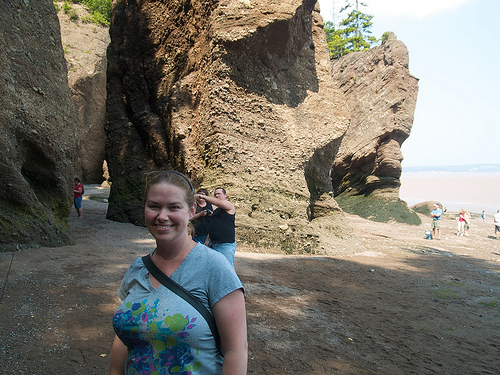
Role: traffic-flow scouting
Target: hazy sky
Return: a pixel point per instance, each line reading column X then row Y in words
column 454, row 48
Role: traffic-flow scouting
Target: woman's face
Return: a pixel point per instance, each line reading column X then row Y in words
column 167, row 213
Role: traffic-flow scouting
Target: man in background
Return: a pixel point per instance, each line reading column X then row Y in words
column 496, row 219
column 221, row 230
column 436, row 222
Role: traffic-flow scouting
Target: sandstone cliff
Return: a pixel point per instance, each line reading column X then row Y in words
column 39, row 128
column 381, row 96
column 233, row 93
column 85, row 47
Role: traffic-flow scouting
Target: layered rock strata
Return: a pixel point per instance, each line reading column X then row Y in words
column 85, row 46
column 381, row 95
column 38, row 133
column 234, row 93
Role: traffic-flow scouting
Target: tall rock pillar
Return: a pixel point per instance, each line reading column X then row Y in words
column 236, row 94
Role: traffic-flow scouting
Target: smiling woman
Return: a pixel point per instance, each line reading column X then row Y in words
column 157, row 330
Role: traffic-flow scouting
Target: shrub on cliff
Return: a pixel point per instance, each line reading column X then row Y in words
column 100, row 10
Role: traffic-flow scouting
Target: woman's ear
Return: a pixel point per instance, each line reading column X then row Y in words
column 192, row 211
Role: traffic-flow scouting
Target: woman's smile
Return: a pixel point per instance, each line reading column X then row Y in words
column 163, row 226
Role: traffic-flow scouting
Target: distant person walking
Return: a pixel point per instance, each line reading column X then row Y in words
column 221, row 231
column 496, row 219
column 436, row 222
column 78, row 196
column 461, row 222
column 467, row 217
column 483, row 215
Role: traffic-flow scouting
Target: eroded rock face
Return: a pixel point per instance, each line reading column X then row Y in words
column 234, row 93
column 38, row 128
column 381, row 95
column 85, row 46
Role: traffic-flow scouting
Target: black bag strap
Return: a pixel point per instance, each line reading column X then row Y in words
column 184, row 294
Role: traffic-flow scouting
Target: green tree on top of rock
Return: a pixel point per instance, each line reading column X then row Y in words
column 352, row 34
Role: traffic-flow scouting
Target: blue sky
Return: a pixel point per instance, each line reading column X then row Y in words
column 454, row 48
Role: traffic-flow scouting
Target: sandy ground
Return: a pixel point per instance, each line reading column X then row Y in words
column 399, row 304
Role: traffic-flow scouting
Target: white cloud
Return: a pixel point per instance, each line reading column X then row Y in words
column 397, row 8
column 410, row 8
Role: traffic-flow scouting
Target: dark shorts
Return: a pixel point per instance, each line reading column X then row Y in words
column 436, row 224
column 497, row 228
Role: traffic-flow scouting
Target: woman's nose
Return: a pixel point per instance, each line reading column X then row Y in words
column 163, row 214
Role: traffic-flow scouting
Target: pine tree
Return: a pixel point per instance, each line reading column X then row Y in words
column 352, row 35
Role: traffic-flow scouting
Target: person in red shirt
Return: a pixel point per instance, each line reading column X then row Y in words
column 78, row 196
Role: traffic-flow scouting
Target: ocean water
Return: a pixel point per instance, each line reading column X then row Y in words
column 474, row 191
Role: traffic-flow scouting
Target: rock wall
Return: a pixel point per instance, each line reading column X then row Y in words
column 233, row 93
column 85, row 46
column 38, row 135
column 381, row 95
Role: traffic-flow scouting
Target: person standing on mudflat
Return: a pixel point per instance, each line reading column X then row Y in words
column 221, row 231
column 436, row 222
column 496, row 219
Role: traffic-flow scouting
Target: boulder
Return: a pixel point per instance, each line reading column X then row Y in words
column 426, row 207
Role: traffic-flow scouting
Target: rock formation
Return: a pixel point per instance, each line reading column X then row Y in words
column 381, row 95
column 233, row 93
column 85, row 47
column 39, row 128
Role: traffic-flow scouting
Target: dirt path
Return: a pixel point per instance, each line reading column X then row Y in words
column 399, row 304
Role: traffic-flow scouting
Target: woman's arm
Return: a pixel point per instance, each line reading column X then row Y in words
column 198, row 215
column 224, row 204
column 119, row 354
column 230, row 316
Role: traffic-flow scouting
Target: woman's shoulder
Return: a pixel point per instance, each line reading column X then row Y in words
column 136, row 266
column 208, row 260
column 211, row 268
column 202, row 251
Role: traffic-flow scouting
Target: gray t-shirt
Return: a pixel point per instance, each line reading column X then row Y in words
column 163, row 332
